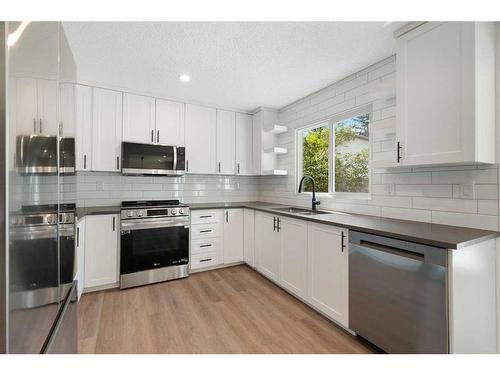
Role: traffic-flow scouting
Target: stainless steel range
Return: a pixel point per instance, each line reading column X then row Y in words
column 154, row 242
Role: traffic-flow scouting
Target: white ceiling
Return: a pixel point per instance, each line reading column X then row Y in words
column 240, row 65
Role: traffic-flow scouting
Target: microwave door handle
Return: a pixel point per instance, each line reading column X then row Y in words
column 175, row 158
column 22, row 151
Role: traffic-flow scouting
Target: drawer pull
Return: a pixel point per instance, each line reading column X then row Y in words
column 206, row 231
column 205, row 216
column 209, row 245
column 205, row 260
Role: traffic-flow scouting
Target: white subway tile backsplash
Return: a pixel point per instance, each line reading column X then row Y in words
column 406, row 214
column 488, row 222
column 444, row 204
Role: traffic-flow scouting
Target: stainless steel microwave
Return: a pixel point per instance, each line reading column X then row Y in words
column 146, row 159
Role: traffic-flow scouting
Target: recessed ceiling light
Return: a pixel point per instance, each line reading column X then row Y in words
column 184, row 78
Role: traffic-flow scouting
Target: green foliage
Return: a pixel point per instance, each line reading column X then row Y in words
column 351, row 168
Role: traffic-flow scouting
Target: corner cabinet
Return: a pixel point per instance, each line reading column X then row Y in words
column 201, row 139
column 106, row 130
column 445, row 74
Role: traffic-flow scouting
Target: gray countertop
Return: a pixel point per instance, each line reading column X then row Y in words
column 445, row 236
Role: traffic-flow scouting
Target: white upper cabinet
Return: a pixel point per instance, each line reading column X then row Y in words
column 328, row 271
column 169, row 123
column 83, row 128
column 26, row 103
column 226, row 138
column 233, row 235
column 106, row 130
column 244, row 144
column 138, row 119
column 68, row 108
column 35, row 107
column 446, row 94
column 201, row 139
column 47, row 107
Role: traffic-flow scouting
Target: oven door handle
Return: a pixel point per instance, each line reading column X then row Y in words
column 34, row 233
column 145, row 224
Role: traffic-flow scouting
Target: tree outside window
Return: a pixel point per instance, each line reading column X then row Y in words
column 349, row 172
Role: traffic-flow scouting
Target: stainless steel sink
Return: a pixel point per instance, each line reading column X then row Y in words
column 300, row 211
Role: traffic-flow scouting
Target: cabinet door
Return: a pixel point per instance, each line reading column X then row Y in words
column 249, row 237
column 294, row 255
column 226, row 142
column 328, row 271
column 25, row 104
column 435, row 94
column 233, row 235
column 201, row 131
column 138, row 119
column 67, row 109
column 267, row 246
column 80, row 255
column 106, row 130
column 83, row 128
column 47, row 107
column 101, row 250
column 244, row 144
column 169, row 123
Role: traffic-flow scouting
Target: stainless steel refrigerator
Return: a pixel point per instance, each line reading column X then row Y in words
column 37, row 249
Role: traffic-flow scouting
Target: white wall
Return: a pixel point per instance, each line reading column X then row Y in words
column 422, row 194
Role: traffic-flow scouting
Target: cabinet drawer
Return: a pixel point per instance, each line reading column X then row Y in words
column 204, row 245
column 205, row 216
column 200, row 231
column 205, row 259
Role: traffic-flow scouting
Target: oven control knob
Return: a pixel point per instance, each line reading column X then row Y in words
column 173, row 211
column 181, row 211
column 50, row 219
column 130, row 213
column 140, row 213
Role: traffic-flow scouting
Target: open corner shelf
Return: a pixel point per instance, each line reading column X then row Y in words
column 276, row 150
column 275, row 172
column 277, row 129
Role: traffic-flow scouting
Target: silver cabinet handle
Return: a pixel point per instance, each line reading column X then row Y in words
column 219, row 167
column 205, row 260
column 152, row 136
column 118, row 163
column 40, row 126
column 342, row 243
column 205, row 216
column 206, row 231
column 114, row 223
column 77, row 236
column 398, row 154
column 274, row 223
column 238, row 168
column 187, row 165
column 227, row 216
column 34, row 125
column 158, row 136
column 207, row 245
column 85, row 161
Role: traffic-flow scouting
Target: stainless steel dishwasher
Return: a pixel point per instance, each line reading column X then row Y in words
column 397, row 294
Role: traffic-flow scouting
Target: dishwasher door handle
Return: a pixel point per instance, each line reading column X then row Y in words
column 393, row 250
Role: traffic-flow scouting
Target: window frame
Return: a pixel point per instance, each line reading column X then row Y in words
column 330, row 121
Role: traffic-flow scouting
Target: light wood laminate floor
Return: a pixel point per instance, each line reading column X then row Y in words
column 229, row 310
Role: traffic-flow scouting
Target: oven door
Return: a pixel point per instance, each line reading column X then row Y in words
column 67, row 259
column 153, row 243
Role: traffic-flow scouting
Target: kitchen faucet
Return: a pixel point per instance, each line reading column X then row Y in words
column 314, row 201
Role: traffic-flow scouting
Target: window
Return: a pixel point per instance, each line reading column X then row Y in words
column 336, row 154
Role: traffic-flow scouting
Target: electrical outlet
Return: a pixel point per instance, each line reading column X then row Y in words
column 467, row 191
column 390, row 189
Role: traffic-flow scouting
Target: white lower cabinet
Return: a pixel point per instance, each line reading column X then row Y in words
column 249, row 237
column 307, row 259
column 328, row 271
column 80, row 256
column 206, row 239
column 293, row 255
column 267, row 245
column 101, row 234
column 233, row 235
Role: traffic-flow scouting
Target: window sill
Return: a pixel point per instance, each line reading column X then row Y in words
column 354, row 196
